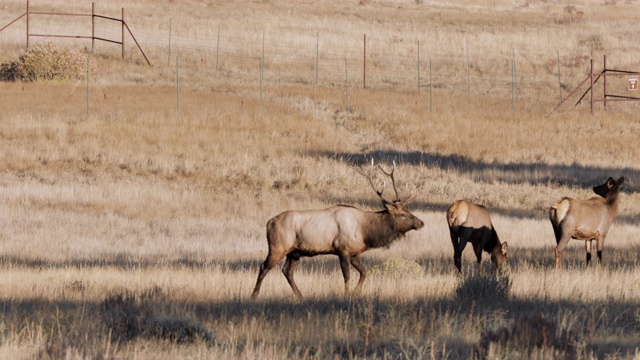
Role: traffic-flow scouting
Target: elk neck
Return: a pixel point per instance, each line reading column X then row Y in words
column 492, row 244
column 379, row 229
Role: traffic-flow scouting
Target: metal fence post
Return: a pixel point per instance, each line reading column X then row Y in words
column 27, row 24
column 346, row 81
column 122, row 18
column 591, row 88
column 604, row 82
column 418, row 66
column 559, row 82
column 88, row 74
column 93, row 26
column 364, row 64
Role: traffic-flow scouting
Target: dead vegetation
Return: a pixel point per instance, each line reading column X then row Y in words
column 134, row 232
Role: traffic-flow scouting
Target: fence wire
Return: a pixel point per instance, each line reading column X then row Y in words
column 323, row 58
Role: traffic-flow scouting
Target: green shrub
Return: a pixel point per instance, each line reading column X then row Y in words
column 46, row 62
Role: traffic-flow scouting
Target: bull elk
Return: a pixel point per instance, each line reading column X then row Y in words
column 585, row 220
column 470, row 222
column 340, row 230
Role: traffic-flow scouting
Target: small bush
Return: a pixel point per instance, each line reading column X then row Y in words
column 128, row 316
column 398, row 267
column 529, row 337
column 46, row 62
column 485, row 289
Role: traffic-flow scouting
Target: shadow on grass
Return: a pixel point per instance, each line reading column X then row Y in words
column 338, row 327
column 512, row 173
column 542, row 258
column 573, row 175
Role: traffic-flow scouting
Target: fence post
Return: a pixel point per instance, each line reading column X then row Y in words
column 591, row 88
column 218, row 49
column 27, row 24
column 169, row 59
column 93, row 26
column 468, row 81
column 88, row 72
column 178, row 87
column 604, row 82
column 364, row 64
column 317, row 53
column 559, row 82
column 513, row 84
column 418, row 66
column 122, row 18
column 346, row 81
column 430, row 88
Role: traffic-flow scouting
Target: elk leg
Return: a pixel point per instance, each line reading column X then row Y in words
column 477, row 248
column 600, row 245
column 344, row 265
column 464, row 236
column 560, row 248
column 355, row 261
column 267, row 265
column 587, row 247
column 293, row 259
column 454, row 241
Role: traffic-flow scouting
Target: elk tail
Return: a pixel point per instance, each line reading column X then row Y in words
column 557, row 212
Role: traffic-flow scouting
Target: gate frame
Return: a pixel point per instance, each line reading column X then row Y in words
column 593, row 78
column 93, row 38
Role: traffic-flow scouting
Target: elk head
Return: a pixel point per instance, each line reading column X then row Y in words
column 609, row 187
column 403, row 219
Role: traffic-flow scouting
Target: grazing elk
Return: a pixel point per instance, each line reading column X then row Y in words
column 469, row 222
column 339, row 230
column 586, row 220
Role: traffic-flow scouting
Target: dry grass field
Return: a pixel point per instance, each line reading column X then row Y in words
column 133, row 228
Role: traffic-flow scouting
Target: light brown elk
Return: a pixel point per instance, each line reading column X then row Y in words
column 585, row 220
column 470, row 222
column 339, row 230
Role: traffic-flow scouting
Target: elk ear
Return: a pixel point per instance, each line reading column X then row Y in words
column 391, row 207
column 505, row 248
column 610, row 182
column 621, row 180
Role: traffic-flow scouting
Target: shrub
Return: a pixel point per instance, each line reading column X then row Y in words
column 528, row 337
column 486, row 289
column 398, row 266
column 46, row 62
column 129, row 315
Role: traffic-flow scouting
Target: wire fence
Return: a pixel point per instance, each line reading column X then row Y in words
column 290, row 57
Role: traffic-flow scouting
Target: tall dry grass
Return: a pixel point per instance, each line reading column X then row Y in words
column 134, row 232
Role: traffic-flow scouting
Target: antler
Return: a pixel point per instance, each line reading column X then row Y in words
column 379, row 192
column 393, row 179
column 393, row 182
